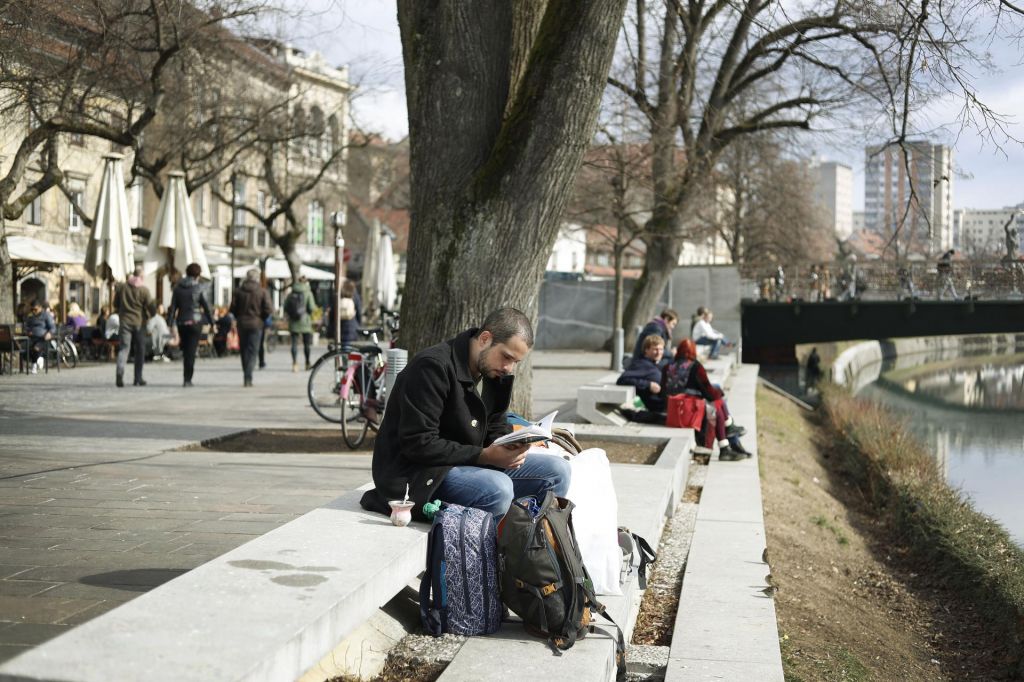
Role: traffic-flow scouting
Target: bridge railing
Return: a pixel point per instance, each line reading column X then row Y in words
column 989, row 279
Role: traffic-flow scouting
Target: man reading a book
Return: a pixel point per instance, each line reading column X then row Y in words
column 446, row 409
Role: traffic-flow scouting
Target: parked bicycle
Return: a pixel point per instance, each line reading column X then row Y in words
column 363, row 392
column 325, row 379
column 67, row 351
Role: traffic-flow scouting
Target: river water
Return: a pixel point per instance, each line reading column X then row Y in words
column 970, row 412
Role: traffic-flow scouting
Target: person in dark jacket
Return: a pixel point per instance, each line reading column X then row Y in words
column 188, row 313
column 662, row 326
column 438, row 430
column 251, row 306
column 645, row 375
column 39, row 328
column 134, row 306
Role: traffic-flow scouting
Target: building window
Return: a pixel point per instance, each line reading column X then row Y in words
column 262, row 239
column 35, row 211
column 239, row 217
column 76, row 196
column 261, row 203
column 315, row 224
column 76, row 293
column 77, row 139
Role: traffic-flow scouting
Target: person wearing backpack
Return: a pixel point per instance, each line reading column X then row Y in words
column 298, row 306
column 351, row 307
column 443, row 414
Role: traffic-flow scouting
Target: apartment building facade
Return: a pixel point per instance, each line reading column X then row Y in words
column 909, row 189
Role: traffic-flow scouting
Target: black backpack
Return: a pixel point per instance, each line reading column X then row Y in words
column 543, row 579
column 295, row 305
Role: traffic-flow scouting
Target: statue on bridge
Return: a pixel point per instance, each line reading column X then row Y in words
column 1011, row 257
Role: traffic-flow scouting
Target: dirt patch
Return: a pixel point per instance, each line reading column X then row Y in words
column 329, row 441
column 622, row 452
column 851, row 604
column 308, row 441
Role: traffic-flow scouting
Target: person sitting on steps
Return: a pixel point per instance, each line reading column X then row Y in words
column 645, row 376
column 687, row 375
column 662, row 326
column 444, row 412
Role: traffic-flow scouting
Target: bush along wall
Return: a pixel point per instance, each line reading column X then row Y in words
column 964, row 548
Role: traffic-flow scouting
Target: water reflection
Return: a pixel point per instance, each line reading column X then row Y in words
column 992, row 386
column 969, row 414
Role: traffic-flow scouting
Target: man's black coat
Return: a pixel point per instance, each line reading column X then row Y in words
column 435, row 420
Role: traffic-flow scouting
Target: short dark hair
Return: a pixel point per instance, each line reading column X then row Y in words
column 194, row 270
column 669, row 314
column 701, row 310
column 504, row 323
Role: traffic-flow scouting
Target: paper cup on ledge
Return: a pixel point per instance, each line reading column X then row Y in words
column 401, row 512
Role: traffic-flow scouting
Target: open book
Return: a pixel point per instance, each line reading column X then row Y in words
column 531, row 433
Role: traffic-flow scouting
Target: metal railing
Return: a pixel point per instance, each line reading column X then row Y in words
column 992, row 279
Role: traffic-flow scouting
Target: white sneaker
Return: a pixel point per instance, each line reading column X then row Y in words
column 34, row 370
column 40, row 362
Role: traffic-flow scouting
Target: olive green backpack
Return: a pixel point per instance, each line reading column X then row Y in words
column 543, row 579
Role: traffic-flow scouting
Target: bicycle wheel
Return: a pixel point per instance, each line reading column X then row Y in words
column 68, row 353
column 271, row 340
column 354, row 423
column 324, row 386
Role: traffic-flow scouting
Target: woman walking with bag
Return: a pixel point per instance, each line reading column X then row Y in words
column 298, row 307
column 188, row 320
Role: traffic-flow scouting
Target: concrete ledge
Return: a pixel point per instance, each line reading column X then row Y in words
column 726, row 627
column 268, row 610
column 596, row 403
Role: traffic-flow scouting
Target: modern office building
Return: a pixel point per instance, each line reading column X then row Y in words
column 909, row 189
column 833, row 191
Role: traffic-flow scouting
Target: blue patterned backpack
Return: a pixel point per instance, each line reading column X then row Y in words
column 459, row 590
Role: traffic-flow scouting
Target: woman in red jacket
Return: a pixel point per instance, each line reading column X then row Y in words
column 687, row 375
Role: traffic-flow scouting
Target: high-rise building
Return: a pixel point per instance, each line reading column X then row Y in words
column 922, row 214
column 833, row 190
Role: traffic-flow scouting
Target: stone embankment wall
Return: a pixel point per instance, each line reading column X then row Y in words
column 861, row 365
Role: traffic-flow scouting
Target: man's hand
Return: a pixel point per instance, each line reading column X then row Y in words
column 510, row 456
column 655, row 387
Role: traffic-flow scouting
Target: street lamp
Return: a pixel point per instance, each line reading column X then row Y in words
column 338, row 220
column 231, row 226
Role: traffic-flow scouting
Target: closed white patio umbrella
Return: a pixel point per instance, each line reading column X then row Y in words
column 387, row 283
column 111, row 253
column 174, row 241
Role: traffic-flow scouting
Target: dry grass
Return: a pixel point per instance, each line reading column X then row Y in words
column 963, row 547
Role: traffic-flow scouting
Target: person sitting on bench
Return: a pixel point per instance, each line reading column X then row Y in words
column 443, row 414
column 645, row 376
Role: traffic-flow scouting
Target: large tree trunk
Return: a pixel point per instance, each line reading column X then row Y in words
column 492, row 168
column 662, row 258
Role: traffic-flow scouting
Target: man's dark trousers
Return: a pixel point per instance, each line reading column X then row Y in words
column 189, row 335
column 133, row 338
column 249, row 342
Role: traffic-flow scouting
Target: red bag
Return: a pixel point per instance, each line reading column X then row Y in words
column 231, row 341
column 685, row 411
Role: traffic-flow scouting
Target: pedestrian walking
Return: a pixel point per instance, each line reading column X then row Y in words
column 250, row 305
column 189, row 311
column 944, row 269
column 298, row 307
column 134, row 305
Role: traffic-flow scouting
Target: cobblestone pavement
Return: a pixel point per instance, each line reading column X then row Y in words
column 99, row 504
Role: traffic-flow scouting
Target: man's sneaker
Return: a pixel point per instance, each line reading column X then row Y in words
column 728, row 454
column 738, row 447
column 40, row 362
column 734, row 431
column 701, row 450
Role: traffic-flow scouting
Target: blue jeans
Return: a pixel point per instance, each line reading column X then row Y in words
column 493, row 490
column 714, row 343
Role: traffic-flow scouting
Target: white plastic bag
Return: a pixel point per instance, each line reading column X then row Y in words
column 595, row 519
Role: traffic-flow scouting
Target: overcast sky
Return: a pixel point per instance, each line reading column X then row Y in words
column 363, row 34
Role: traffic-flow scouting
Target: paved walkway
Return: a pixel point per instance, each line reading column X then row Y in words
column 98, row 503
